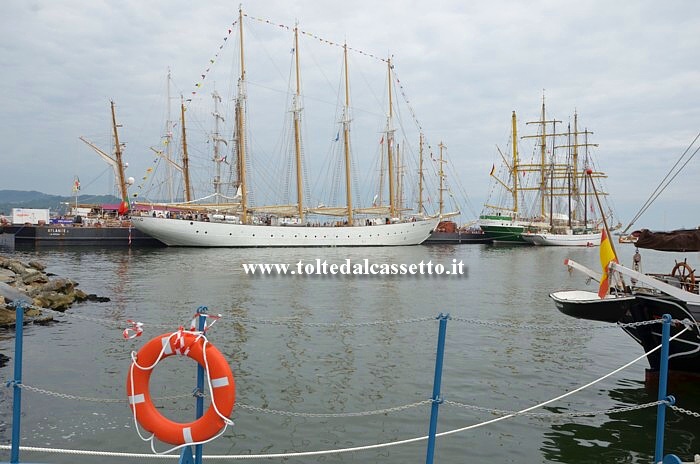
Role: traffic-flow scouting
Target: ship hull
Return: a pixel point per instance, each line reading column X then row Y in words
column 47, row 236
column 457, row 238
column 684, row 358
column 544, row 239
column 188, row 233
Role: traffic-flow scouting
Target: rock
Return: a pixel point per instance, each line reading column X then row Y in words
column 31, row 316
column 54, row 300
column 32, row 275
column 100, row 299
column 28, row 283
column 7, row 317
column 16, row 267
column 80, row 295
column 12, row 294
column 37, row 265
column 7, row 275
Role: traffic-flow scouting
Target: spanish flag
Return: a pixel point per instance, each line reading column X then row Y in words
column 607, row 255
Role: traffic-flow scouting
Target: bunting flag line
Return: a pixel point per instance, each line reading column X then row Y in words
column 205, row 73
column 314, row 36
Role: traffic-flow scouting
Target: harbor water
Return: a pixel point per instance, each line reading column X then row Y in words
column 303, row 347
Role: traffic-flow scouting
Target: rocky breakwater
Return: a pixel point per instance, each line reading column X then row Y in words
column 30, row 285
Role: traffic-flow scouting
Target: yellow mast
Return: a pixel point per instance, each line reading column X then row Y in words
column 118, row 156
column 399, row 180
column 185, row 157
column 574, row 173
column 241, row 127
column 346, row 137
column 515, row 164
column 297, row 128
column 543, row 153
column 390, row 143
column 441, row 174
column 420, row 175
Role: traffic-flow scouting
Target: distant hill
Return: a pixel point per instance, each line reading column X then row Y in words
column 32, row 199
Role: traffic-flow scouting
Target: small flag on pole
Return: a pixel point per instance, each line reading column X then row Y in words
column 493, row 169
column 607, row 255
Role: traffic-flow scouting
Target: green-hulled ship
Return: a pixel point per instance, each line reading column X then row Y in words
column 499, row 223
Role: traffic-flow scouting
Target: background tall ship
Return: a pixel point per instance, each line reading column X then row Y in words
column 239, row 219
column 549, row 200
column 95, row 225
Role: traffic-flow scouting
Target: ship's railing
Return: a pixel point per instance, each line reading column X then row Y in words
column 436, row 399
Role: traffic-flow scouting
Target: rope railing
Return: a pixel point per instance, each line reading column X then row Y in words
column 261, row 410
column 437, row 399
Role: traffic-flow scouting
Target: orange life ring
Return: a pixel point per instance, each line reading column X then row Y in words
column 223, row 387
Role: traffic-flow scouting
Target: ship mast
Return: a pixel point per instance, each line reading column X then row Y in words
column 420, row 174
column 185, row 157
column 116, row 161
column 241, row 127
column 118, row 157
column 346, row 136
column 297, row 127
column 168, row 145
column 217, row 139
column 543, row 154
column 390, row 143
column 515, row 163
column 574, row 164
column 441, row 175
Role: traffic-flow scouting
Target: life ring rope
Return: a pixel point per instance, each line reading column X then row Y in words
column 181, row 347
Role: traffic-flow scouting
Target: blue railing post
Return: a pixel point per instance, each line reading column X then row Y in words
column 437, row 399
column 16, row 382
column 198, row 449
column 663, row 382
column 186, row 453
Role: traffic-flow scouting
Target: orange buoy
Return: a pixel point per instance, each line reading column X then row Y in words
column 220, row 377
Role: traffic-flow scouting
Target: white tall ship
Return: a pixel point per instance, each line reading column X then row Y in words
column 239, row 223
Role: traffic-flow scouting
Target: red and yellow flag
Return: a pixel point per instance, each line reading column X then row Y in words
column 124, row 206
column 607, row 254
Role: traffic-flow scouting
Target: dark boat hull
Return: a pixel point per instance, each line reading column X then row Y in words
column 457, row 238
column 684, row 354
column 684, row 357
column 587, row 305
column 50, row 235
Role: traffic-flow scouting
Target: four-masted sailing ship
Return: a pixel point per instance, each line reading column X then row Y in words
column 246, row 225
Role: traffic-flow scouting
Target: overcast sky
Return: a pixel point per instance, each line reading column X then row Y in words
column 630, row 69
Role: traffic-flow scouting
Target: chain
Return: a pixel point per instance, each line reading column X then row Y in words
column 502, row 412
column 514, row 325
column 87, row 398
column 238, row 405
column 292, row 322
column 685, row 411
column 346, row 414
column 297, row 323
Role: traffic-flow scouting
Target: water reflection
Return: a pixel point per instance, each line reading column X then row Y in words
column 626, row 436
